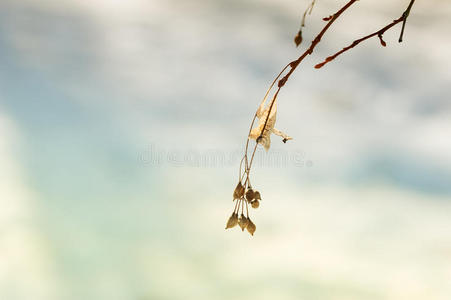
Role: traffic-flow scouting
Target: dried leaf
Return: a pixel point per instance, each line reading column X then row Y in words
column 257, row 133
column 262, row 114
column 282, row 134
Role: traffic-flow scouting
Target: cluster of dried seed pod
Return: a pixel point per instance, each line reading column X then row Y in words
column 243, row 197
column 253, row 198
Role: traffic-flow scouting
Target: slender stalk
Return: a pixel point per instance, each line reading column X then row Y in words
column 247, row 210
column 294, row 64
column 236, row 204
column 255, row 115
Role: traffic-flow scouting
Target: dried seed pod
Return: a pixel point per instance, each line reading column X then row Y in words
column 243, row 222
column 250, row 195
column 255, row 204
column 251, row 227
column 238, row 192
column 257, row 195
column 233, row 220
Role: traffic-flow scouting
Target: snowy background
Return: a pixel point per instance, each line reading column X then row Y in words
column 122, row 124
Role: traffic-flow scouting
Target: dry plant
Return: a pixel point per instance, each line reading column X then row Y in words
column 244, row 194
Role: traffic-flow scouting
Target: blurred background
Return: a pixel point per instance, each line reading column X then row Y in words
column 122, row 124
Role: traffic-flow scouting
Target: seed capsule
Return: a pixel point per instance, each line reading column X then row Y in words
column 251, row 227
column 255, row 204
column 257, row 195
column 233, row 220
column 238, row 192
column 243, row 222
column 250, row 195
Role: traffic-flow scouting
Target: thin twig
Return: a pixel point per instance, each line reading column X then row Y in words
column 406, row 15
column 378, row 33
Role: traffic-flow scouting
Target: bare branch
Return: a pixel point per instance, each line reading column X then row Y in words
column 315, row 42
column 244, row 193
column 378, row 33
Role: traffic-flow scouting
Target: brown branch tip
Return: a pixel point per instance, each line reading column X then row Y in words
column 379, row 34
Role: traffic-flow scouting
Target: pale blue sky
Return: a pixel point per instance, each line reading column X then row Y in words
column 359, row 210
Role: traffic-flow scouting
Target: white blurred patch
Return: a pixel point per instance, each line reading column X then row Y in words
column 25, row 265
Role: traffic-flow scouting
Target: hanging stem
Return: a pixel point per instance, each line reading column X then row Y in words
column 280, row 83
